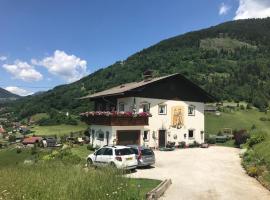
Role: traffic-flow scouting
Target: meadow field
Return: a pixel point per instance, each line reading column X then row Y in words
column 64, row 177
column 58, row 130
column 241, row 119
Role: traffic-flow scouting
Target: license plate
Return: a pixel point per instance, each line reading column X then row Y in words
column 129, row 158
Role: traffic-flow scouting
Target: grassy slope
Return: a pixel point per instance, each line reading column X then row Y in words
column 236, row 120
column 9, row 157
column 50, row 181
column 58, row 181
column 58, row 130
column 81, row 151
column 223, row 43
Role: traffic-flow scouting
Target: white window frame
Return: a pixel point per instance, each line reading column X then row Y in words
column 193, row 113
column 165, row 109
column 119, row 106
column 142, row 104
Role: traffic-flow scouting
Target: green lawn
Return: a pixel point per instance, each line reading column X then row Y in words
column 58, row 130
column 9, row 157
column 81, row 151
column 236, row 120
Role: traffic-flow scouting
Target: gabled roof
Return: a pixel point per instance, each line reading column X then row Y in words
column 124, row 89
column 121, row 89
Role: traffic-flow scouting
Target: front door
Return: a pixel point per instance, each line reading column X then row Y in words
column 162, row 138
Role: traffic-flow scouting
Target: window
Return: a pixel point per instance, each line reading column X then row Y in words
column 191, row 110
column 121, row 107
column 107, row 107
column 145, row 107
column 100, row 135
column 146, row 135
column 99, row 107
column 124, row 152
column 100, row 151
column 162, row 109
column 108, row 152
column 190, row 134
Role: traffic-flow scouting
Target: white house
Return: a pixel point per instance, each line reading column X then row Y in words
column 152, row 112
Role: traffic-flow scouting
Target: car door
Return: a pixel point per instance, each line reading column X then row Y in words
column 108, row 155
column 98, row 159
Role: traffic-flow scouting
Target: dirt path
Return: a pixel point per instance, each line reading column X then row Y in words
column 213, row 173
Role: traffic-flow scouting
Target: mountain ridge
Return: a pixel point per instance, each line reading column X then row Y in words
column 241, row 71
column 4, row 94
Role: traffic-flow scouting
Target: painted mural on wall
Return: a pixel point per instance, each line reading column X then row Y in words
column 177, row 116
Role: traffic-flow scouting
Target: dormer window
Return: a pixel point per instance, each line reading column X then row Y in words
column 121, row 107
column 191, row 110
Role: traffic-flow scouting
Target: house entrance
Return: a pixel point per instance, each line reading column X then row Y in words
column 162, row 138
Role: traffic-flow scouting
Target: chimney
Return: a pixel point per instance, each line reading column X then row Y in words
column 148, row 75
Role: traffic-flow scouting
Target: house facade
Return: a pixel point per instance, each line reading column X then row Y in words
column 152, row 113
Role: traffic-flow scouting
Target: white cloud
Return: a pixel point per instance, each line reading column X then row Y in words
column 223, row 9
column 68, row 67
column 3, row 58
column 24, row 71
column 18, row 91
column 253, row 9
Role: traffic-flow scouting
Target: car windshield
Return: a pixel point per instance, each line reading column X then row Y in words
column 147, row 152
column 135, row 150
column 123, row 152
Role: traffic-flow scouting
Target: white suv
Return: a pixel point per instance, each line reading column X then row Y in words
column 121, row 157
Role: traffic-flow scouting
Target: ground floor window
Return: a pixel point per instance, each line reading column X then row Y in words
column 146, row 135
column 190, row 134
column 100, row 135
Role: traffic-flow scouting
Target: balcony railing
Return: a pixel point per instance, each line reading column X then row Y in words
column 115, row 118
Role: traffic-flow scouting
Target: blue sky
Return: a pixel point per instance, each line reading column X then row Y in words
column 52, row 42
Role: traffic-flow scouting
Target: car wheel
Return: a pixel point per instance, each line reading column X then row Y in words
column 89, row 162
column 112, row 164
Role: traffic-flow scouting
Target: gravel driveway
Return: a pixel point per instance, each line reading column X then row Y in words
column 213, row 173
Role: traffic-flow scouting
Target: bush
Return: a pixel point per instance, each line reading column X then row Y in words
column 240, row 136
column 249, row 106
column 18, row 150
column 219, row 133
column 211, row 140
column 253, row 127
column 242, row 107
column 34, row 150
column 263, row 119
column 256, row 138
column 12, row 138
column 90, row 147
column 252, row 171
column 182, row 144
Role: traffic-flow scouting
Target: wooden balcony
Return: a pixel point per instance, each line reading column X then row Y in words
column 116, row 120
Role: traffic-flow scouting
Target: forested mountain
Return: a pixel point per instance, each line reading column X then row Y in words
column 231, row 61
column 4, row 94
